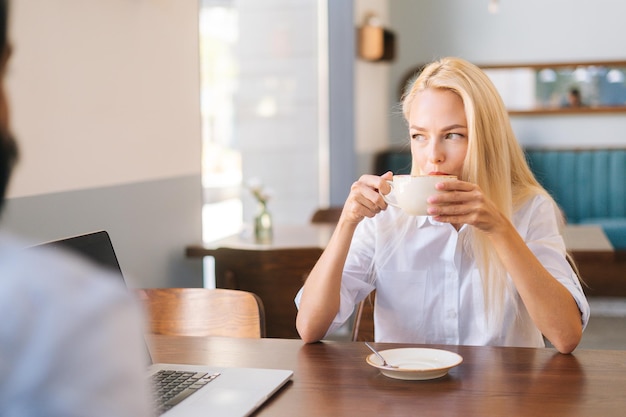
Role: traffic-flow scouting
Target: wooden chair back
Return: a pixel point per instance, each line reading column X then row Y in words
column 363, row 328
column 275, row 275
column 203, row 312
column 327, row 215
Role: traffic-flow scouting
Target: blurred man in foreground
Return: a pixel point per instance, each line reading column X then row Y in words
column 71, row 338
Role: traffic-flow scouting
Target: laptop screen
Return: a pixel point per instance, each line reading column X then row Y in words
column 95, row 246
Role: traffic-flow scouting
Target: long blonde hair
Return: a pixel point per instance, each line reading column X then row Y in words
column 494, row 160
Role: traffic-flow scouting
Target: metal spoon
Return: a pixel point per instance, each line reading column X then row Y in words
column 385, row 364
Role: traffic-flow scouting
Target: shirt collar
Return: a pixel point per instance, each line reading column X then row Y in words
column 423, row 221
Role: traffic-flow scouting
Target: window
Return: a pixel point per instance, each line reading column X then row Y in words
column 221, row 162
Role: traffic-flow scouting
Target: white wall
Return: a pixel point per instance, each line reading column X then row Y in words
column 104, row 92
column 105, row 106
column 371, row 103
column 522, row 31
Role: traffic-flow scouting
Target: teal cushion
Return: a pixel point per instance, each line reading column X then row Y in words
column 585, row 183
column 397, row 161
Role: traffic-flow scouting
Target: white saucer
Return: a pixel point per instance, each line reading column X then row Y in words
column 416, row 363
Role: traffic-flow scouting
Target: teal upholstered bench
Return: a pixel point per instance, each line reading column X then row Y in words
column 397, row 160
column 589, row 185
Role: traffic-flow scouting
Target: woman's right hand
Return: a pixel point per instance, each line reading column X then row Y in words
column 365, row 199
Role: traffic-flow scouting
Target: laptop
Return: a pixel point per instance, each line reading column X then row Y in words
column 216, row 391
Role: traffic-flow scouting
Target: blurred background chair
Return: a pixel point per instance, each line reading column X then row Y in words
column 326, row 215
column 363, row 327
column 203, row 312
column 275, row 275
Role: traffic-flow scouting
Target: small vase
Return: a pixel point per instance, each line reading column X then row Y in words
column 263, row 226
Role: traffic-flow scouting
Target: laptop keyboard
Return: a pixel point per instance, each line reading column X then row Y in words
column 171, row 387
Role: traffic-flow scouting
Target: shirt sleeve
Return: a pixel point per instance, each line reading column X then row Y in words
column 544, row 239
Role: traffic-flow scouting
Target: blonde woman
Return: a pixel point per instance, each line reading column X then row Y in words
column 488, row 266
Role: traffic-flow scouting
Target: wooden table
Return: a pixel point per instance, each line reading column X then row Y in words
column 333, row 379
column 285, row 237
column 588, row 243
column 585, row 242
column 602, row 268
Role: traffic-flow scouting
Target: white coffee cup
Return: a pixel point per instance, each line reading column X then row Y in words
column 411, row 192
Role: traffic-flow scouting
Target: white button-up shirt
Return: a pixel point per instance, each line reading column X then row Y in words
column 428, row 288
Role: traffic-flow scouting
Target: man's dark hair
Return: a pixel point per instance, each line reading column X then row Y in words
column 8, row 147
column 4, row 22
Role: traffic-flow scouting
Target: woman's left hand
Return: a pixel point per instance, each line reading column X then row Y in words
column 465, row 203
